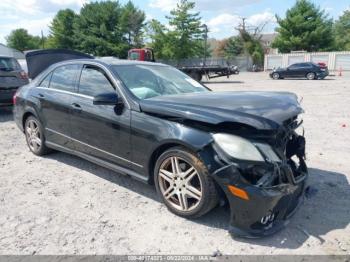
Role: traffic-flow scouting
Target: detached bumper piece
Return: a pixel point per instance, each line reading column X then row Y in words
column 268, row 194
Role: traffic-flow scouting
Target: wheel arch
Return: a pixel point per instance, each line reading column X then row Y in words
column 29, row 112
column 164, row 146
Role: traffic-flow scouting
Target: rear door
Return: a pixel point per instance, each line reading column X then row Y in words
column 97, row 130
column 294, row 70
column 55, row 95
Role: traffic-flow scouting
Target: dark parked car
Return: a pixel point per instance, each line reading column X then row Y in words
column 11, row 77
column 154, row 123
column 309, row 71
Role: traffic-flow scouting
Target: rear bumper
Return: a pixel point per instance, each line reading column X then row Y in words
column 322, row 74
column 267, row 211
column 6, row 96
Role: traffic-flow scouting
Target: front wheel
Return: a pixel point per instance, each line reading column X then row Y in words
column 276, row 76
column 183, row 183
column 35, row 136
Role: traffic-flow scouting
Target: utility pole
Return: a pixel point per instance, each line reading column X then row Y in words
column 205, row 42
column 42, row 39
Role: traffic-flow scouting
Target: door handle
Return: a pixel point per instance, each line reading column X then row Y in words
column 41, row 95
column 76, row 107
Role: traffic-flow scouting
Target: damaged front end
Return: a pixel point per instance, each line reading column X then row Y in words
column 263, row 193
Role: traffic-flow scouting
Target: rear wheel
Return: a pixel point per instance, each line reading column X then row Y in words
column 35, row 136
column 276, row 76
column 183, row 183
column 196, row 76
column 311, row 76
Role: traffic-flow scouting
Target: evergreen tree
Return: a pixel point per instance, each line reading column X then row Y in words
column 132, row 22
column 342, row 32
column 187, row 30
column 98, row 30
column 305, row 27
column 62, row 30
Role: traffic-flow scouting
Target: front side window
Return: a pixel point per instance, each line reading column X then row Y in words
column 147, row 81
column 64, row 77
column 93, row 81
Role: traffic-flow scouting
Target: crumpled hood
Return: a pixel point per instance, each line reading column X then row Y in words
column 261, row 110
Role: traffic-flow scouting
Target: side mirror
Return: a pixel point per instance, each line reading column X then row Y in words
column 110, row 99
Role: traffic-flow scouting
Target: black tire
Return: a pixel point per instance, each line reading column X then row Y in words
column 276, row 76
column 41, row 149
column 311, row 76
column 196, row 76
column 209, row 196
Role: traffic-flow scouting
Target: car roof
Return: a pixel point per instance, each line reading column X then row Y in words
column 109, row 61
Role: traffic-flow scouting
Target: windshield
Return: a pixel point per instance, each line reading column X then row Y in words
column 8, row 64
column 147, row 81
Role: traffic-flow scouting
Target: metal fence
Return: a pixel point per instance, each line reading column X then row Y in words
column 336, row 61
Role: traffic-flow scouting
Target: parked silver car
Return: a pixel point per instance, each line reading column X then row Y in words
column 12, row 77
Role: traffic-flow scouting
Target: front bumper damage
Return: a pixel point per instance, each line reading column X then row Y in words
column 268, row 209
column 275, row 189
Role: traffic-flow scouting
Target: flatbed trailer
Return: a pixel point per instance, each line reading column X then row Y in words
column 196, row 68
column 197, row 72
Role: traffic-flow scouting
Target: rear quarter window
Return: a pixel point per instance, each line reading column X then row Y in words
column 9, row 64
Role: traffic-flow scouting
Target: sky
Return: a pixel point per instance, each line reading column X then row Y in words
column 221, row 16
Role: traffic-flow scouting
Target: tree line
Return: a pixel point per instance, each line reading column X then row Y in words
column 109, row 28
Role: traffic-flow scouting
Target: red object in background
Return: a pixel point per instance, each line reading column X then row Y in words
column 322, row 65
column 142, row 54
column 14, row 99
column 24, row 75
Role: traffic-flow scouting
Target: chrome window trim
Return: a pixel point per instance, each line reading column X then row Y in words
column 65, row 92
column 121, row 158
column 112, row 78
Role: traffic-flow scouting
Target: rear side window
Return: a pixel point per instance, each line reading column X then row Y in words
column 64, row 77
column 9, row 64
column 93, row 81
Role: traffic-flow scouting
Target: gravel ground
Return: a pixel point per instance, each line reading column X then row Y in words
column 61, row 204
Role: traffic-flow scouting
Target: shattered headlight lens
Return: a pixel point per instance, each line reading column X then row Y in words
column 269, row 153
column 238, row 147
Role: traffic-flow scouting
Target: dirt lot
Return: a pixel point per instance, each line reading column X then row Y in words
column 61, row 204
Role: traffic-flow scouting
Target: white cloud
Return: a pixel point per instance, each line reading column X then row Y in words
column 202, row 5
column 225, row 24
column 258, row 19
column 164, row 5
column 33, row 15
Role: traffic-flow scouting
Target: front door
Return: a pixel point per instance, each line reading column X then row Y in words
column 98, row 130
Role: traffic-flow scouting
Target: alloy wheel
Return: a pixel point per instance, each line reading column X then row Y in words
column 310, row 76
column 33, row 135
column 275, row 76
column 180, row 184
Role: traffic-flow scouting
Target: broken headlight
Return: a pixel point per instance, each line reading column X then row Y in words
column 238, row 147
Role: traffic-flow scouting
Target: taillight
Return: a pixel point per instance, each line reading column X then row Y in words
column 23, row 75
column 14, row 98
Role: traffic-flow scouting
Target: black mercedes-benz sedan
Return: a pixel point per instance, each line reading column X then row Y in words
column 154, row 123
column 308, row 70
